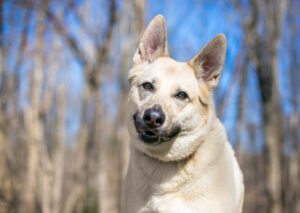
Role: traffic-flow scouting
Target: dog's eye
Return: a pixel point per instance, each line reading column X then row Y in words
column 181, row 95
column 148, row 86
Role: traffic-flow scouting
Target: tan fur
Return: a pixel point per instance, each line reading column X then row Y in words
column 197, row 170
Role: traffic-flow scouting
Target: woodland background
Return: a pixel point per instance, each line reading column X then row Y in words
column 63, row 86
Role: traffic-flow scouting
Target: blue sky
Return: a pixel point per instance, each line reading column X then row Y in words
column 190, row 24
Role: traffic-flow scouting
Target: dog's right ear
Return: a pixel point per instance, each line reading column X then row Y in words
column 208, row 63
column 154, row 42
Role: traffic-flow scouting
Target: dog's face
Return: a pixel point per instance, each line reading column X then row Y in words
column 171, row 106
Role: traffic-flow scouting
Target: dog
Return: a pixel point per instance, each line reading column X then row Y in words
column 180, row 158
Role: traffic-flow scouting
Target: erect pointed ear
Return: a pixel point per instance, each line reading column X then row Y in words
column 154, row 42
column 208, row 63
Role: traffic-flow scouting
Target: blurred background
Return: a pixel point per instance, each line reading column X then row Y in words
column 63, row 87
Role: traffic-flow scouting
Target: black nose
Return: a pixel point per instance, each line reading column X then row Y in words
column 154, row 117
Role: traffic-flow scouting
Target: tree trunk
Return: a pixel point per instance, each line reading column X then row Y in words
column 79, row 176
column 33, row 123
column 293, row 201
column 241, row 106
column 1, row 31
column 4, row 179
column 263, row 48
column 273, row 142
column 272, row 117
column 131, row 23
column 104, row 195
column 58, row 152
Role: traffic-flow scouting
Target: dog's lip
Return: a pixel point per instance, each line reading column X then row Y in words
column 150, row 133
column 153, row 138
column 149, row 137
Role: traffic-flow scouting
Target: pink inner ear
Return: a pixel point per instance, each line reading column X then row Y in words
column 211, row 63
column 153, row 43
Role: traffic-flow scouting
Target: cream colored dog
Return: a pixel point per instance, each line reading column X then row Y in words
column 180, row 158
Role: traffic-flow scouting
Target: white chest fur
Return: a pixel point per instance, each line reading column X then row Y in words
column 208, row 181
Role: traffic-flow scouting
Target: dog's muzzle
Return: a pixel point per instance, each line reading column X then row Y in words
column 149, row 125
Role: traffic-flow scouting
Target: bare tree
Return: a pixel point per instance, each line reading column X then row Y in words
column 292, row 195
column 63, row 148
column 263, row 48
column 131, row 23
column 33, row 122
column 58, row 152
column 5, row 186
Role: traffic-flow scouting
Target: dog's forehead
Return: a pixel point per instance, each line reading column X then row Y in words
column 169, row 69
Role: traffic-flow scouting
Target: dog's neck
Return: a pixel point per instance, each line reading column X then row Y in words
column 171, row 175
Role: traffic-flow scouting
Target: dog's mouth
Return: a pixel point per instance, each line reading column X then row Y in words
column 154, row 136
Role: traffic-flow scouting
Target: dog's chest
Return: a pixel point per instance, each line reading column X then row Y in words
column 178, row 203
column 183, row 189
column 180, row 194
column 158, row 204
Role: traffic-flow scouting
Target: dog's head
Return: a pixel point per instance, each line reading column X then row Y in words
column 171, row 106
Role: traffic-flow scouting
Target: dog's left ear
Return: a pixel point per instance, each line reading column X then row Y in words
column 154, row 42
column 208, row 63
